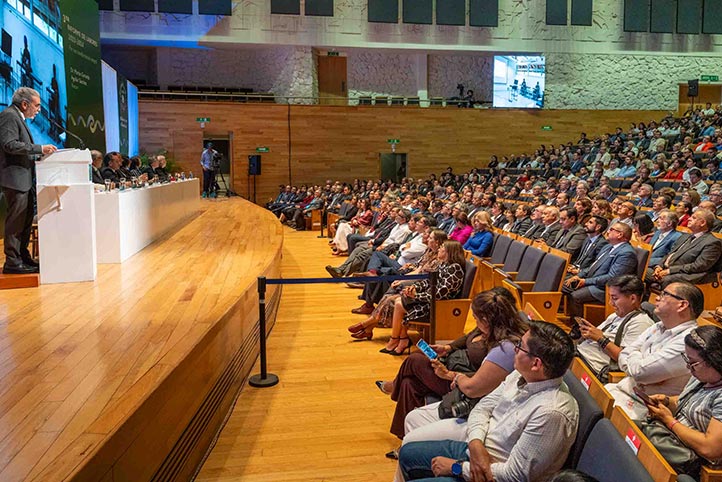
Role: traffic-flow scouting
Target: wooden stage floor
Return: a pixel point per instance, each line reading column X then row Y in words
column 325, row 420
column 77, row 361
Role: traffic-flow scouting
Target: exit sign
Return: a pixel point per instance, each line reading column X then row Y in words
column 332, row 54
column 261, row 149
column 709, row 78
column 546, row 128
column 393, row 141
column 203, row 119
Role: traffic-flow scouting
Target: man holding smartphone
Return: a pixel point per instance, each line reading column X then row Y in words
column 601, row 345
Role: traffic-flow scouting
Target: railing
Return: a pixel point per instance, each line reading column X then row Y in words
column 271, row 98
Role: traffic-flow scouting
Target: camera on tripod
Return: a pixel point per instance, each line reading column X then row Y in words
column 216, row 160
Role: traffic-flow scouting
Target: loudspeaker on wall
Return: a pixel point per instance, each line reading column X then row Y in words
column 693, row 88
column 254, row 165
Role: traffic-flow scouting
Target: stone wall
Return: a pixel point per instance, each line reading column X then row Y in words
column 577, row 81
column 473, row 71
column 375, row 72
column 283, row 70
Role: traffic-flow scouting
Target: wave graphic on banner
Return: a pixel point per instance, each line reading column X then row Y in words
column 90, row 123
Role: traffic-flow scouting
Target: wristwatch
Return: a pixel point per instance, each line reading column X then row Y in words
column 457, row 468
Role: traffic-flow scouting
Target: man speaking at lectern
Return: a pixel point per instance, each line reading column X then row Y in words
column 17, row 156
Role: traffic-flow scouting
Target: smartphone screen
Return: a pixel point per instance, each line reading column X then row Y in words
column 645, row 398
column 427, row 350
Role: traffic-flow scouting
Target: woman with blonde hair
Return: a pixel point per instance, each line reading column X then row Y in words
column 481, row 240
column 602, row 208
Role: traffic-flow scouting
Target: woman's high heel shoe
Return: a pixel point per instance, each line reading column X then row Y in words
column 386, row 350
column 394, row 352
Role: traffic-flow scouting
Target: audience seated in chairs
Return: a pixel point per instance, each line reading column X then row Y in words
column 616, row 259
column 652, row 363
column 361, row 220
column 599, row 347
column 692, row 257
column 386, row 294
column 523, row 430
column 476, row 364
column 414, row 303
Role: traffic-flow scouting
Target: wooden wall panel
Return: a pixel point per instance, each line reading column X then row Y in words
column 344, row 142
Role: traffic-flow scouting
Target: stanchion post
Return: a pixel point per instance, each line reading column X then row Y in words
column 323, row 209
column 432, row 315
column 264, row 379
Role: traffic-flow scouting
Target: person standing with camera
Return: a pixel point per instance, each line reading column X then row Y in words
column 208, row 172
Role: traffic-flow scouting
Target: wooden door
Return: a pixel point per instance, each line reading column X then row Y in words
column 332, row 80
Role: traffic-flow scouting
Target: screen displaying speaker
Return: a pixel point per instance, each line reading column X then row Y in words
column 254, row 165
column 519, row 81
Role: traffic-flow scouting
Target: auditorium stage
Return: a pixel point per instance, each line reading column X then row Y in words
column 130, row 376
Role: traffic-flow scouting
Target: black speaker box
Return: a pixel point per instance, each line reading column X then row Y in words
column 254, row 165
column 693, row 88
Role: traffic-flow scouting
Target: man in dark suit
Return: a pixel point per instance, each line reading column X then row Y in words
column 523, row 220
column 665, row 236
column 572, row 235
column 17, row 166
column 111, row 171
column 617, row 259
column 97, row 162
column 692, row 257
column 551, row 224
column 537, row 225
column 593, row 245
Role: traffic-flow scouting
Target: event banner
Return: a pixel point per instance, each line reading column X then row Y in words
column 123, row 113
column 81, row 31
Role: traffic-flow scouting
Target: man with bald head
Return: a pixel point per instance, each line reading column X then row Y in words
column 616, row 259
column 18, row 154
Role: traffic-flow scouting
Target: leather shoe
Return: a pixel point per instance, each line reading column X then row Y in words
column 31, row 262
column 20, row 269
column 334, row 272
column 364, row 309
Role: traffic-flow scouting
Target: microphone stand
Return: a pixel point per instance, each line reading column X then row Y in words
column 64, row 129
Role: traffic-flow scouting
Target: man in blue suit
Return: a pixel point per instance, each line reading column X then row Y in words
column 616, row 259
column 665, row 237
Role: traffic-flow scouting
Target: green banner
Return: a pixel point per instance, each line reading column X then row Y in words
column 81, row 44
column 123, row 113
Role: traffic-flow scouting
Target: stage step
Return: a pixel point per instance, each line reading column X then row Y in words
column 13, row 281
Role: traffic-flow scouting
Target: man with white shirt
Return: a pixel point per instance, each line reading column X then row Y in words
column 379, row 242
column 654, row 363
column 600, row 346
column 523, row 430
column 409, row 252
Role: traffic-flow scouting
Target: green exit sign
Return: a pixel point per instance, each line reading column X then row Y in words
column 393, row 141
column 546, row 128
column 261, row 149
column 709, row 78
column 203, row 119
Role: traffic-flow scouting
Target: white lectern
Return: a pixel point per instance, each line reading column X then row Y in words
column 66, row 217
